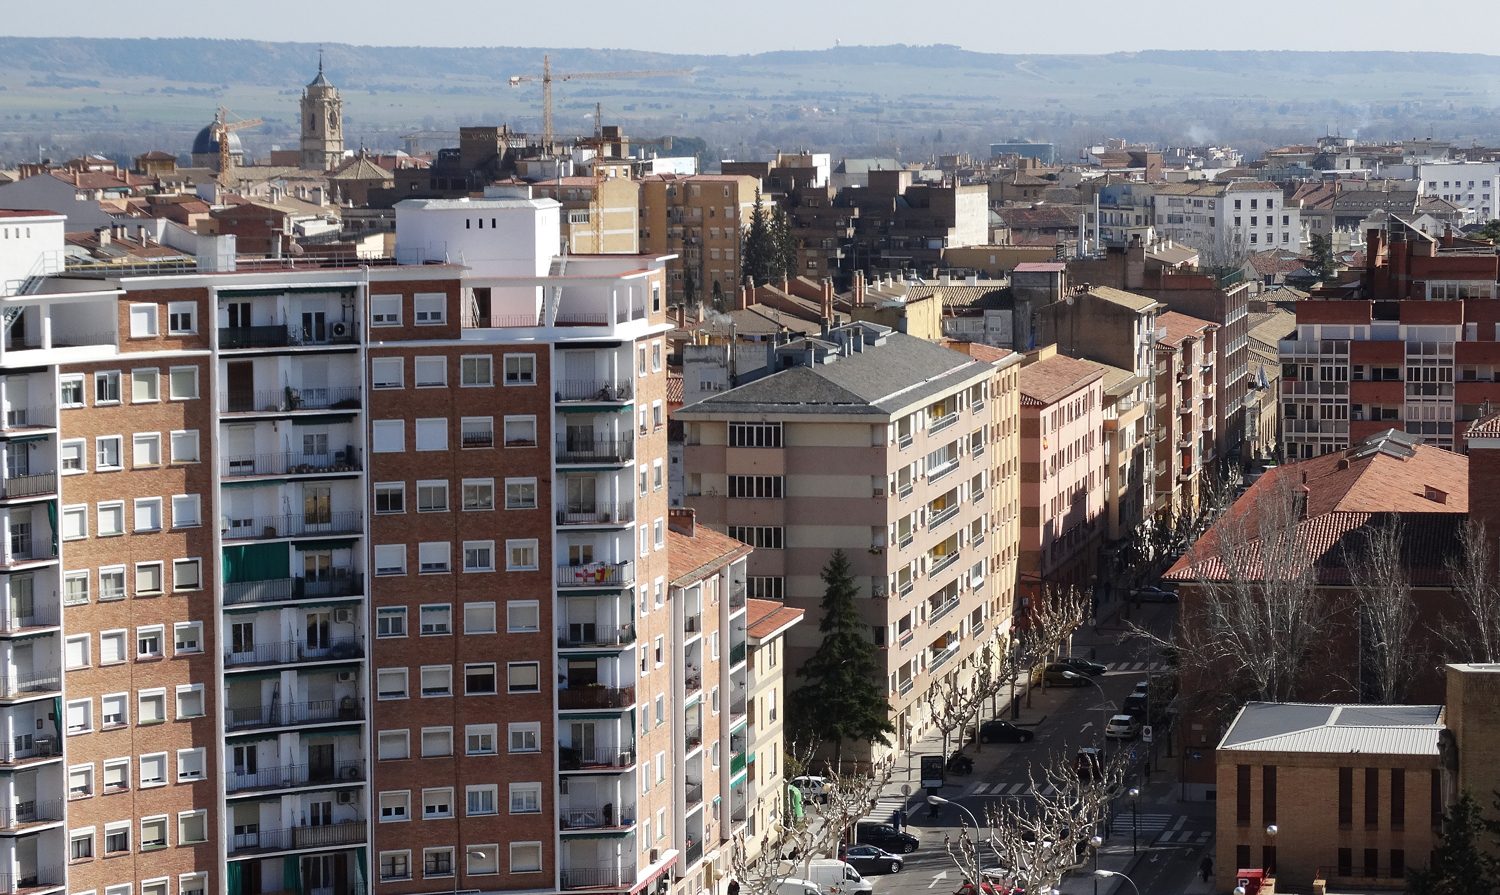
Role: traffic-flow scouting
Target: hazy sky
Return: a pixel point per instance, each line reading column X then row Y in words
column 717, row 26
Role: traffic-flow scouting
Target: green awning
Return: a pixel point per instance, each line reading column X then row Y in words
column 593, row 408
column 256, row 562
column 598, row 716
column 319, row 419
column 738, row 777
column 594, row 834
column 25, row 439
column 341, row 544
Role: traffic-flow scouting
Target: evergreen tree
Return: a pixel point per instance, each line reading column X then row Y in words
column 844, row 697
column 1320, row 249
column 1461, row 865
column 786, row 243
column 758, row 249
column 1490, row 231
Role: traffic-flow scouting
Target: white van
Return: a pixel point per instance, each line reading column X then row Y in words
column 797, row 887
column 837, row 878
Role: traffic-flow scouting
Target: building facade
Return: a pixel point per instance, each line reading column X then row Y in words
column 700, row 219
column 322, row 124
column 1185, row 395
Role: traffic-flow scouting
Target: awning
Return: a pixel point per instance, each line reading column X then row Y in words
column 593, row 408
column 322, row 419
column 594, row 834
column 342, row 544
column 24, row 439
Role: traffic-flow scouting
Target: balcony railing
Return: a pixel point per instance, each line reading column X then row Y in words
column 291, row 463
column 941, row 563
column 30, row 812
column 737, row 708
column 595, row 817
column 282, row 400
column 938, row 472
column 906, row 686
column 30, row 417
column 940, row 658
column 41, row 747
column 737, row 653
column 903, row 490
column 943, row 515
column 736, row 594
column 595, row 450
column 342, row 583
column 295, row 525
column 694, row 853
column 42, row 614
column 597, row 877
column 938, row 424
column 319, row 711
column 570, row 390
column 42, row 877
column 904, row 539
column 254, row 337
column 692, row 740
column 596, row 575
column 285, row 651
column 596, row 697
column 942, row 610
column 598, row 514
column 573, row 759
column 13, row 685
column 736, row 763
column 286, row 776
column 351, row 832
column 591, row 635
column 15, row 487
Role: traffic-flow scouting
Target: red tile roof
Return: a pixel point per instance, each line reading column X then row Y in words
column 674, row 388
column 1179, row 327
column 1052, row 379
column 693, row 557
column 27, row 213
column 764, row 618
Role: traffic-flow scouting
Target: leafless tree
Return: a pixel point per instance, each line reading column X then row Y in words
column 1051, row 621
column 1387, row 614
column 955, row 704
column 1472, row 575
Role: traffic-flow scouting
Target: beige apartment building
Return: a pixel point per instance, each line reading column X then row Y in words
column 599, row 215
column 768, row 623
column 1186, row 389
column 700, row 219
column 908, row 496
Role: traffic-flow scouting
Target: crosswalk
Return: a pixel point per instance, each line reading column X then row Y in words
column 1010, row 790
column 1153, row 828
column 1141, row 667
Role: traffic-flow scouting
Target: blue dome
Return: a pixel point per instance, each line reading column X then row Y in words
column 205, row 144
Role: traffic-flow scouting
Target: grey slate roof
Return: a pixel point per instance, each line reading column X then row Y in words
column 877, row 381
column 1335, row 729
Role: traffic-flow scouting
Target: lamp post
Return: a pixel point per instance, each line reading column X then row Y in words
column 1135, row 825
column 1110, row 874
column 1096, row 843
column 1104, row 706
column 936, row 800
column 1271, row 831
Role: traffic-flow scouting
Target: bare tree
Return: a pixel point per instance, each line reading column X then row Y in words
column 1471, row 573
column 1387, row 614
column 1051, row 621
column 955, row 705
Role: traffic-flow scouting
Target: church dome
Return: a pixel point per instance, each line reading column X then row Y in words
column 205, row 144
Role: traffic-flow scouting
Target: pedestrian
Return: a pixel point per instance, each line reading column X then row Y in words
column 1206, row 867
column 900, row 819
column 1146, row 771
column 734, row 887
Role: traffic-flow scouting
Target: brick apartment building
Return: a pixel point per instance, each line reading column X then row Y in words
column 342, row 580
column 1185, row 395
column 698, row 219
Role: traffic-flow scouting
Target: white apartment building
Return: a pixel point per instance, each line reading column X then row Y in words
column 1227, row 219
column 1472, row 186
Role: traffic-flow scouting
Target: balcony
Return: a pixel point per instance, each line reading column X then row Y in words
column 291, row 463
column 350, row 832
column 40, row 417
column 254, row 337
column 903, row 490
column 42, row 748
column 295, row 525
column 42, row 614
column 943, row 515
column 611, row 514
column 292, row 775
column 23, row 882
column 24, row 486
column 941, row 470
column 694, row 853
column 283, row 400
column 595, row 450
column 942, row 610
column 340, row 649
column 596, row 575
column 319, row 711
column 590, row 635
column 737, row 708
column 597, row 817
column 597, row 877
column 737, row 594
column 342, row 583
column 906, row 686
column 590, row 391
column 904, row 539
column 941, row 563
column 737, row 653
column 17, row 686
column 938, row 424
column 595, row 697
column 30, row 812
column 736, row 763
column 904, row 588
column 571, row 759
column 942, row 657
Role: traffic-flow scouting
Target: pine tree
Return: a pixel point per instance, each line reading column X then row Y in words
column 786, row 243
column 1460, row 865
column 758, row 250
column 844, row 697
column 1320, row 249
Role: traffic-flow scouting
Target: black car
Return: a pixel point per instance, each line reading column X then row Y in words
column 998, row 731
column 1083, row 666
column 961, row 764
column 1057, row 674
column 885, row 836
column 869, row 859
column 1155, row 595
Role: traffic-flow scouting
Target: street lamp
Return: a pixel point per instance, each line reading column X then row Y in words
column 936, row 800
column 1135, row 825
column 1096, row 843
column 1104, row 706
column 1110, row 874
column 1271, row 831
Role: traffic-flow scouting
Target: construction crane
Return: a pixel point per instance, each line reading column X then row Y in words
column 222, row 128
column 598, row 143
column 547, row 77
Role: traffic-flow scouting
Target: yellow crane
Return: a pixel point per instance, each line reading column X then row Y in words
column 547, row 77
column 222, row 128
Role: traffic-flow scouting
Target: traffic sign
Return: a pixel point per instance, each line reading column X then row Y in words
column 905, row 790
column 1133, row 757
column 1146, row 734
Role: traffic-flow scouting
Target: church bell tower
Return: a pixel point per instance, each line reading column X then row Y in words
column 322, row 123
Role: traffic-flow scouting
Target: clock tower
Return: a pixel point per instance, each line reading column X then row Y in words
column 322, row 124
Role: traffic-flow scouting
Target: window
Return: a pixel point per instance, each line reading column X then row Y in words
column 76, row 652
column 385, row 310
column 433, row 557
column 388, row 436
column 143, row 322
column 390, row 683
column 146, row 449
column 147, row 514
column 151, row 707
column 107, row 387
column 431, row 372
column 479, row 494
column 1372, row 798
column 192, row 884
column 154, row 769
column 437, row 803
column 148, row 579
column 479, row 739
column 187, row 638
column 107, row 453
column 145, row 386
column 520, row 431
column 182, row 318
column 390, row 559
column 113, row 710
column 387, row 372
column 390, row 621
column 430, row 308
column 481, row 799
column 656, row 356
column 189, row 701
column 153, row 833
column 182, row 383
column 479, row 618
column 116, row 775
column 477, row 432
column 432, row 497
column 189, row 765
column 81, row 844
column 432, row 434
column 483, row 859
column 437, row 742
column 520, row 494
column 525, row 798
column 185, row 446
column 395, row 866
column 148, row 642
column 437, row 861
column 476, row 370
column 390, row 497
column 522, row 677
column 392, row 744
column 525, row 737
column 185, row 511
column 111, row 647
column 435, row 681
column 521, row 556
column 112, row 583
column 766, row 435
column 116, row 838
column 74, row 455
column 520, row 369
column 80, row 716
column 436, row 619
column 479, row 556
column 192, row 827
column 522, row 616
column 525, row 857
column 71, row 390
column 80, row 781
column 479, row 679
column 395, row 807
column 763, row 536
column 1346, row 797
column 75, row 523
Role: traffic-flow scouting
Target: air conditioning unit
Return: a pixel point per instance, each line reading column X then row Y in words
column 346, row 797
column 879, row 492
column 655, row 855
column 339, row 329
column 346, row 677
column 343, row 616
column 626, row 759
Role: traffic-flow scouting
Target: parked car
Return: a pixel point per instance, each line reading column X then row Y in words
column 837, row 877
column 1083, row 666
column 961, row 764
column 814, row 788
column 797, row 887
column 885, row 836
column 1142, row 688
column 870, row 859
column 1155, row 595
column 998, row 731
column 1056, row 674
column 990, row 886
column 1088, row 762
column 1123, row 727
column 1137, row 705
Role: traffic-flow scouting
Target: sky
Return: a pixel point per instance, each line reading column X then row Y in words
column 720, row 27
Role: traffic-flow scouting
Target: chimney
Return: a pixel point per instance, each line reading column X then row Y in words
column 785, row 286
column 104, row 234
column 683, row 520
column 1436, row 495
column 746, row 295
